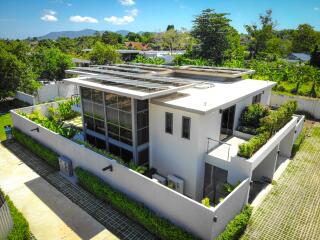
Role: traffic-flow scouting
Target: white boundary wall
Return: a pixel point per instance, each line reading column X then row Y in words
column 48, row 93
column 179, row 209
column 6, row 222
column 309, row 105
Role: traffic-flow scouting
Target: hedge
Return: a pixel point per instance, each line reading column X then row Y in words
column 237, row 226
column 160, row 227
column 269, row 125
column 21, row 229
column 43, row 152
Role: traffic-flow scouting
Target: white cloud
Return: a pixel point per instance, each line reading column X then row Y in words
column 49, row 16
column 130, row 17
column 316, row 8
column 79, row 19
column 127, row 2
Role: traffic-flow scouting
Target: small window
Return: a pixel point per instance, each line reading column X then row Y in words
column 256, row 99
column 169, row 123
column 186, row 122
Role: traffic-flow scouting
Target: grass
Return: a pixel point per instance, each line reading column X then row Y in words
column 5, row 120
column 21, row 229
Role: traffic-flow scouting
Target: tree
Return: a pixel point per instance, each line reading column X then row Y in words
column 104, row 54
column 169, row 27
column 111, row 38
column 51, row 63
column 170, row 40
column 212, row 29
column 315, row 57
column 133, row 37
column 260, row 37
column 305, row 39
column 14, row 75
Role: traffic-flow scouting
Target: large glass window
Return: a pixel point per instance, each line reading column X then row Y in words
column 125, row 119
column 169, row 123
column 124, row 103
column 186, row 122
column 111, row 100
column 99, row 126
column 88, row 123
column 86, row 93
column 142, row 119
column 142, row 105
column 87, row 108
column 97, row 96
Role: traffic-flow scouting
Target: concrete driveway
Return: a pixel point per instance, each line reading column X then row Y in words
column 51, row 215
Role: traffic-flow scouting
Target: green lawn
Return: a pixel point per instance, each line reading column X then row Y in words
column 4, row 120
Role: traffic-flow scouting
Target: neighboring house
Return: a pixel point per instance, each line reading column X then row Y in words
column 298, row 57
column 179, row 122
column 137, row 45
column 81, row 62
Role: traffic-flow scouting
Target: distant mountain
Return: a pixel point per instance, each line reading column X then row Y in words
column 75, row 34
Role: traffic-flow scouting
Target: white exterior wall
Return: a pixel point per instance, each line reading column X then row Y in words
column 309, row 105
column 25, row 97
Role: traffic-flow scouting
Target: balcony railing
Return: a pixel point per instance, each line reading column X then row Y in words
column 214, row 144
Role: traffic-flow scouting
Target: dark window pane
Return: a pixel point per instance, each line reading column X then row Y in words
column 114, row 136
column 87, row 108
column 169, row 123
column 97, row 96
column 111, row 100
column 186, row 127
column 99, row 126
column 88, row 123
column 112, row 116
column 113, row 129
column 98, row 111
column 126, row 141
column 143, row 136
column 86, row 93
column 126, row 155
column 256, row 99
column 125, row 119
column 142, row 119
column 125, row 133
column 101, row 144
column 143, row 156
column 142, row 105
column 114, row 149
column 124, row 103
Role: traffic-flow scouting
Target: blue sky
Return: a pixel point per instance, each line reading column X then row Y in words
column 23, row 18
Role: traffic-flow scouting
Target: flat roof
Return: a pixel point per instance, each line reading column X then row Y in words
column 205, row 100
column 193, row 88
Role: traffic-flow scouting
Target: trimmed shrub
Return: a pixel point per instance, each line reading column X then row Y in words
column 43, row 152
column 161, row 227
column 21, row 229
column 251, row 115
column 269, row 125
column 237, row 226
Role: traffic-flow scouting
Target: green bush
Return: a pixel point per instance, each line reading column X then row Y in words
column 21, row 229
column 269, row 125
column 206, row 201
column 43, row 152
column 251, row 115
column 237, row 226
column 137, row 211
column 64, row 110
column 183, row 60
column 154, row 60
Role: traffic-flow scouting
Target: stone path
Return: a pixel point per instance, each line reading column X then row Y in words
column 115, row 222
column 292, row 209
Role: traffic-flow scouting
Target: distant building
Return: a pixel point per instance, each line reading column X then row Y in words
column 137, row 45
column 81, row 62
column 298, row 57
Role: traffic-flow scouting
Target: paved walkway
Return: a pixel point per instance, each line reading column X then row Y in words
column 292, row 208
column 75, row 213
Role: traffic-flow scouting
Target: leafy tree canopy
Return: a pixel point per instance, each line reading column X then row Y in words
column 104, row 54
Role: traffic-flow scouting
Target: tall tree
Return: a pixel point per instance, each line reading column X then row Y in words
column 170, row 40
column 211, row 29
column 133, row 37
column 170, row 26
column 104, row 54
column 111, row 38
column 305, row 39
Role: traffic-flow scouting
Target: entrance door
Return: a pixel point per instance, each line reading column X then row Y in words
column 227, row 120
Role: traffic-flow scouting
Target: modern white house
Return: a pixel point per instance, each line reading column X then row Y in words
column 180, row 122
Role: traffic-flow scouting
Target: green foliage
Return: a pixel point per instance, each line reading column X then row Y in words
column 64, row 110
column 111, row 38
column 218, row 40
column 237, row 226
column 268, row 126
column 304, row 39
column 154, row 60
column 51, row 124
column 51, row 63
column 104, row 54
column 21, row 229
column 162, row 228
column 251, row 115
column 46, row 154
column 206, row 201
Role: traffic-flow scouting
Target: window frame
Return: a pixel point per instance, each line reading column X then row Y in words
column 182, row 127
